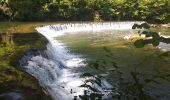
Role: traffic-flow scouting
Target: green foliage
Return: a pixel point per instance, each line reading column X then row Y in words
column 24, row 10
column 153, row 38
column 12, row 48
column 97, row 17
column 5, row 11
column 139, row 43
column 143, row 25
column 91, row 92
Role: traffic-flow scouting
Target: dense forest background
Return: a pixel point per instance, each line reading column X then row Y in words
column 156, row 11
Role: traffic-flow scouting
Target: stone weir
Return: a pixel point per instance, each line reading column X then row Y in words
column 55, row 73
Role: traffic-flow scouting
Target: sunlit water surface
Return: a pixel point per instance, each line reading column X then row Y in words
column 100, row 49
column 151, row 69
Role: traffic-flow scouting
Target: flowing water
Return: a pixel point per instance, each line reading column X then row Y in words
column 73, row 47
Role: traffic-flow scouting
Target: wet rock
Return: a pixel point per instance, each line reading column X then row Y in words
column 14, row 95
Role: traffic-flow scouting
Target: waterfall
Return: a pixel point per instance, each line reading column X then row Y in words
column 54, row 73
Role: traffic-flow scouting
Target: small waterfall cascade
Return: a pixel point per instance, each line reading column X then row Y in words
column 54, row 72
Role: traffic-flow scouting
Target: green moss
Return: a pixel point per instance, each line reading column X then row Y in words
column 11, row 51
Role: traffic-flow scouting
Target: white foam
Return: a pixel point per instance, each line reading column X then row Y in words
column 57, row 81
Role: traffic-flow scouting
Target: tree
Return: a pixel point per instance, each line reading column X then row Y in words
column 5, row 11
column 26, row 9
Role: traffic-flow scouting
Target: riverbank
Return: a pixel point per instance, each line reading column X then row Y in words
column 15, row 40
column 161, row 25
